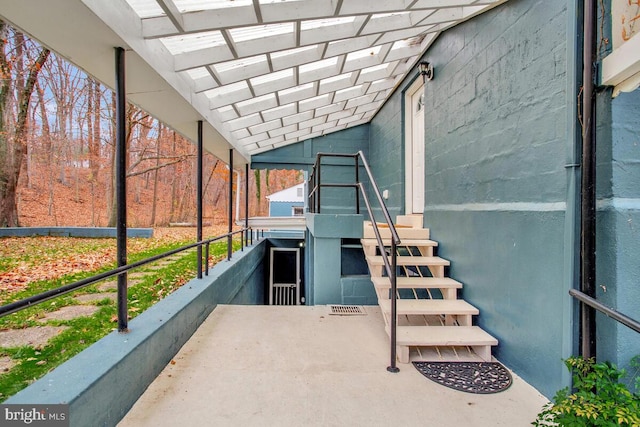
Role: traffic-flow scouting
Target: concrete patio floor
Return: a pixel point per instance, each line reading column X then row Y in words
column 300, row 366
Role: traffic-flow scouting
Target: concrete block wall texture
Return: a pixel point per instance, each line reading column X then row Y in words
column 386, row 153
column 618, row 223
column 496, row 143
column 104, row 381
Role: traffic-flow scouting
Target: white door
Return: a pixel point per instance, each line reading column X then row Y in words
column 414, row 148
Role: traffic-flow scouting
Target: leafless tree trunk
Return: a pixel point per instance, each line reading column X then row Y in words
column 48, row 148
column 173, row 185
column 111, row 205
column 12, row 143
column 155, row 177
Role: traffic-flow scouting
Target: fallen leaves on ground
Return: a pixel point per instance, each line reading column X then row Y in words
column 29, row 259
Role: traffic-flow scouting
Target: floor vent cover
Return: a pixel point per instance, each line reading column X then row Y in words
column 347, row 310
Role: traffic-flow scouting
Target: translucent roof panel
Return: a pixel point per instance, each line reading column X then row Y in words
column 275, row 72
column 193, row 42
column 259, row 32
column 197, row 5
column 146, row 8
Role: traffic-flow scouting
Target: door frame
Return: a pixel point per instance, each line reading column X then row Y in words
column 413, row 88
column 272, row 252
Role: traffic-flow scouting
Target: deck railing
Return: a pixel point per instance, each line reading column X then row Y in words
column 246, row 239
column 316, row 185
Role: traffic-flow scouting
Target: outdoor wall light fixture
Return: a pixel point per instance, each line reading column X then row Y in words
column 426, row 70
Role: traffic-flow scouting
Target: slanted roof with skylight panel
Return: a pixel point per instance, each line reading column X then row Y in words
column 260, row 73
column 275, row 72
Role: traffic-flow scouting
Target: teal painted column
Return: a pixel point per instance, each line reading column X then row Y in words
column 324, row 240
column 326, row 280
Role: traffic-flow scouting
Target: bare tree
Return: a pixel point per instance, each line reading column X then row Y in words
column 16, row 62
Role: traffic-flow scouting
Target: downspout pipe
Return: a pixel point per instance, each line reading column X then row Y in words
column 588, row 190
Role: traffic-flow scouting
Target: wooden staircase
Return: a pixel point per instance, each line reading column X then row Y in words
column 431, row 319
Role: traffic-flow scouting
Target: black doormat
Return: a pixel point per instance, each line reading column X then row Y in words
column 470, row 377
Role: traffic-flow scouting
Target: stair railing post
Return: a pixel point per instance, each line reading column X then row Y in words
column 357, row 161
column 318, row 184
column 394, row 318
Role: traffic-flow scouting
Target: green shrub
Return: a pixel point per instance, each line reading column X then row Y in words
column 599, row 399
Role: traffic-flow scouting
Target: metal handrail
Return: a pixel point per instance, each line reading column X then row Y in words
column 390, row 266
column 22, row 304
column 610, row 312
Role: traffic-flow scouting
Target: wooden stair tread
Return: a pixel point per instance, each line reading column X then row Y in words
column 410, row 260
column 443, row 336
column 417, row 283
column 403, row 232
column 430, row 307
column 404, row 242
column 385, row 225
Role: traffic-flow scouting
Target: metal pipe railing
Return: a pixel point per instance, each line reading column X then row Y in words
column 390, row 266
column 65, row 289
column 610, row 312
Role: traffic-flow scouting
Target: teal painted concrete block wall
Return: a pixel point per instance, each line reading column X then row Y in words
column 496, row 143
column 386, row 153
column 618, row 223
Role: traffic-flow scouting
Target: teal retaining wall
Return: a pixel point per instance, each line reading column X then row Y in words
column 104, row 381
column 91, row 232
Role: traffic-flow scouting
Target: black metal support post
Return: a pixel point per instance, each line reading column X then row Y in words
column 246, row 201
column 230, row 238
column 317, row 186
column 121, row 187
column 199, row 199
column 357, row 160
column 588, row 205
